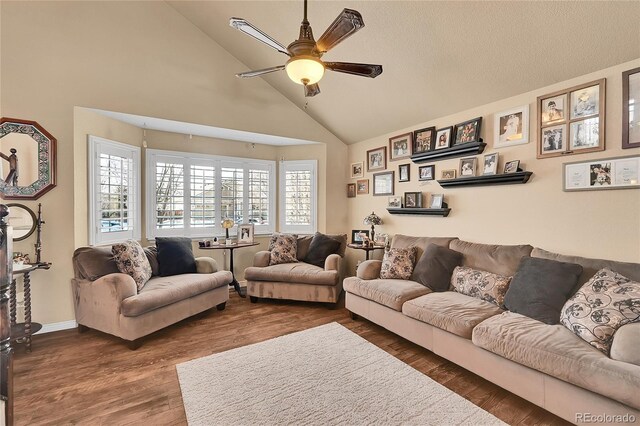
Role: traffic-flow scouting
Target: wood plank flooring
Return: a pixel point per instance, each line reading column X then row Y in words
column 93, row 378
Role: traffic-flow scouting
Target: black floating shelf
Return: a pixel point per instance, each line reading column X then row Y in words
column 504, row 179
column 470, row 148
column 420, row 211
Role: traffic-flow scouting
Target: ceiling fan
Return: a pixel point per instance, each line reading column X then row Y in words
column 304, row 65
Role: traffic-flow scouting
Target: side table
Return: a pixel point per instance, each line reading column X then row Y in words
column 231, row 248
column 366, row 249
column 22, row 332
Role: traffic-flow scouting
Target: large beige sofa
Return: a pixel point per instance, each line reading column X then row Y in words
column 109, row 301
column 545, row 364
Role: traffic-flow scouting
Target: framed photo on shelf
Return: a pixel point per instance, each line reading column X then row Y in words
column 468, row 166
column 424, row 140
column 436, row 201
column 377, row 159
column 412, row 199
column 351, row 190
column 511, row 166
column 571, row 121
column 357, row 236
column 383, row 183
column 427, row 172
column 245, row 233
column 394, row 202
column 443, row 138
column 362, row 186
column 400, row 146
column 490, row 164
column 404, row 172
column 357, row 170
column 468, row 131
column 448, row 174
column 631, row 103
column 511, row 127
column 606, row 173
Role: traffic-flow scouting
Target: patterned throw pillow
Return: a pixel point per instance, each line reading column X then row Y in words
column 602, row 305
column 483, row 285
column 283, row 249
column 398, row 263
column 131, row 260
column 274, row 238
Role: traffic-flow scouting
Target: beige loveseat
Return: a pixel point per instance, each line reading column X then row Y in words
column 545, row 364
column 109, row 301
column 297, row 281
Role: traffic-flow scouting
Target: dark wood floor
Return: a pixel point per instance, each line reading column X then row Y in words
column 93, row 378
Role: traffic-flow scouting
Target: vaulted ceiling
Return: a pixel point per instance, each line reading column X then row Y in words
column 438, row 57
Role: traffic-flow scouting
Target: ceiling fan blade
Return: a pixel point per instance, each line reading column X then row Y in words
column 363, row 70
column 253, row 31
column 347, row 23
column 311, row 90
column 256, row 73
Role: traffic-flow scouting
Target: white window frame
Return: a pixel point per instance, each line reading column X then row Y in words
column 298, row 165
column 97, row 146
column 187, row 159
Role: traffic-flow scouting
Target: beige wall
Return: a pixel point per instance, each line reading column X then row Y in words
column 592, row 223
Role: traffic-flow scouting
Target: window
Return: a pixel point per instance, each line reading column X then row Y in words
column 114, row 191
column 298, row 204
column 190, row 194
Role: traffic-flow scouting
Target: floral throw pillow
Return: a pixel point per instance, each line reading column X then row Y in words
column 131, row 260
column 602, row 305
column 398, row 263
column 481, row 284
column 284, row 248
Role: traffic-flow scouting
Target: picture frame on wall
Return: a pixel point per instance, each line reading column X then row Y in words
column 572, row 121
column 443, row 138
column 404, row 171
column 511, row 166
column 400, row 146
column 383, row 183
column 427, row 172
column 351, row 190
column 448, row 174
column 424, row 140
column 467, row 131
column 357, row 170
column 377, row 159
column 362, row 186
column 413, row 199
column 357, row 236
column 394, row 202
column 511, row 127
column 490, row 164
column 631, row 102
column 602, row 174
column 467, row 167
column 245, row 233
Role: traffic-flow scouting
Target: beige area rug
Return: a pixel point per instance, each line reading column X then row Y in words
column 326, row 375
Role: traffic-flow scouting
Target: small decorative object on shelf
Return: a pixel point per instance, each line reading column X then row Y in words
column 395, row 202
column 424, row 140
column 490, row 164
column 372, row 219
column 413, row 199
column 512, row 166
column 467, row 132
column 437, row 201
column 468, row 166
column 503, row 179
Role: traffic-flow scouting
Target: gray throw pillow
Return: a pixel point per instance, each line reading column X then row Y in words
column 175, row 256
column 320, row 248
column 541, row 287
column 435, row 267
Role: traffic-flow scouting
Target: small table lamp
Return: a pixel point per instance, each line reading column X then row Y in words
column 373, row 219
column 227, row 224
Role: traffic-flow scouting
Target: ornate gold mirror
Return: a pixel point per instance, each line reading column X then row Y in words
column 27, row 159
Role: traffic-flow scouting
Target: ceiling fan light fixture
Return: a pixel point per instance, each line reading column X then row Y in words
column 305, row 69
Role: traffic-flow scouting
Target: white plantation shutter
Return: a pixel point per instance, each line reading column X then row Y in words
column 298, row 196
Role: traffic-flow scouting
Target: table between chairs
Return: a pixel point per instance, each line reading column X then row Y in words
column 231, row 248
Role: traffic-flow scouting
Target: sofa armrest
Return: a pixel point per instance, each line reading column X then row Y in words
column 261, row 258
column 119, row 285
column 332, row 262
column 625, row 344
column 206, row 265
column 369, row 269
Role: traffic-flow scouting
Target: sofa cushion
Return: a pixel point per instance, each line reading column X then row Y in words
column 541, row 287
column 435, row 267
column 152, row 257
column 625, row 344
column 91, row 263
column 390, row 293
column 163, row 291
column 398, row 263
column 283, row 249
column 480, row 284
column 299, row 272
column 556, row 351
column 603, row 305
column 421, row 243
column 302, row 249
column 131, row 260
column 320, row 248
column 498, row 259
column 175, row 256
column 450, row 311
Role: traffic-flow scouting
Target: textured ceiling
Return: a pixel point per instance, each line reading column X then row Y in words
column 438, row 57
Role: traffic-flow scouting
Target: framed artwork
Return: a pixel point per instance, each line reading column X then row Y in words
column 511, row 166
column 357, row 170
column 357, row 236
column 468, row 166
column 424, row 140
column 631, row 109
column 468, row 131
column 383, row 183
column 443, row 138
column 571, row 121
column 377, row 159
column 400, row 146
column 394, row 202
column 490, row 166
column 606, row 173
column 404, row 172
column 362, row 186
column 413, row 199
column 351, row 190
column 245, row 233
column 511, row 127
column 437, row 201
column 427, row 172
column 448, row 174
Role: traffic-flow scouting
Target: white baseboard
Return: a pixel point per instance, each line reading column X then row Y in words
column 57, row 326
